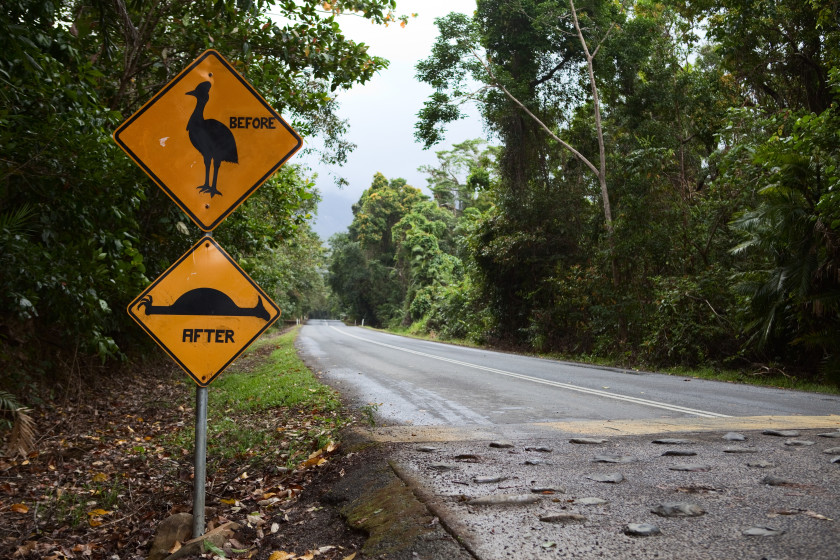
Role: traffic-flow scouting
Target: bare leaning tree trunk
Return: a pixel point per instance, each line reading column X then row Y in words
column 596, row 102
column 600, row 171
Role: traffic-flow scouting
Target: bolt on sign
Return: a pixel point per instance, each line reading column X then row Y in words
column 208, row 139
column 204, row 311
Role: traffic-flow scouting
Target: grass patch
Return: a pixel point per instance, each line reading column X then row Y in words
column 267, row 409
column 761, row 379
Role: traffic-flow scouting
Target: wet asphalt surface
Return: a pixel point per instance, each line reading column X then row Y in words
column 763, row 497
column 804, row 507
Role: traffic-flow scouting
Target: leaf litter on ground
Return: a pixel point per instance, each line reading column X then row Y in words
column 115, row 459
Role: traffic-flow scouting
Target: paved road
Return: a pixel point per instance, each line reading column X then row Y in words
column 441, row 407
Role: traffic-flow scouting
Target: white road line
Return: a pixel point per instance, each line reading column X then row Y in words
column 567, row 386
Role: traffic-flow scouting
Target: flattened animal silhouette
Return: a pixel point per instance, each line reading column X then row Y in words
column 204, row 301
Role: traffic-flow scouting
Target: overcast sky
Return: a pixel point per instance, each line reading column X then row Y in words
column 382, row 113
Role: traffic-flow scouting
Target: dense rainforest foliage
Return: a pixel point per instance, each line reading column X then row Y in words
column 666, row 190
column 82, row 229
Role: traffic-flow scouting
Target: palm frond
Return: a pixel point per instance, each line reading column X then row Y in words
column 23, row 432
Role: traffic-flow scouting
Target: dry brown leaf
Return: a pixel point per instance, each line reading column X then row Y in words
column 281, row 555
column 20, row 508
column 349, row 557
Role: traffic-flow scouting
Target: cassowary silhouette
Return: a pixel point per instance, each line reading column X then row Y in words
column 210, row 137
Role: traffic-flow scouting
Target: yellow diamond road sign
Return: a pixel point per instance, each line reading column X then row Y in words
column 208, row 139
column 204, row 311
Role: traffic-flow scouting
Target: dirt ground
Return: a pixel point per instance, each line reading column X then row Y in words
column 104, row 475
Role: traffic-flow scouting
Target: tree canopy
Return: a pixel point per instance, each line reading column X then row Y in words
column 82, row 230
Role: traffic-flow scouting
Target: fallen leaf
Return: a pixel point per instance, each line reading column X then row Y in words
column 350, row 557
column 100, row 477
column 20, row 508
column 816, row 515
column 281, row 555
column 99, row 512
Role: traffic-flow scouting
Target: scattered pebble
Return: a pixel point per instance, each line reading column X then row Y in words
column 734, row 436
column 761, row 464
column 548, row 490
column 771, row 480
column 832, row 451
column 739, row 450
column 562, row 517
column 489, row 479
column 679, row 453
column 502, row 444
column 443, row 467
column 588, row 441
column 591, row 501
column 427, row 449
column 621, row 459
column 614, row 478
column 762, row 532
column 504, row 500
column 469, row 457
column 678, row 509
column 835, row 459
column 539, row 449
column 781, row 433
column 799, row 443
column 672, row 441
column 831, row 434
column 641, row 530
column 534, row 462
column 691, row 467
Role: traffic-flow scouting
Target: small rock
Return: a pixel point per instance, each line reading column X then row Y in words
column 799, row 443
column 614, row 478
column 426, row 449
column 468, row 457
column 781, row 433
column 691, row 467
column 620, row 459
column 588, row 441
column 831, row 434
column 534, row 462
column 443, row 467
column 504, row 500
column 548, row 490
column 734, row 436
column 761, row 464
column 641, row 530
column 698, row 489
column 591, row 501
column 501, row 444
column 678, row 453
column 762, row 532
column 562, row 517
column 739, row 450
column 771, row 480
column 539, row 449
column 672, row 441
column 832, row 451
column 835, row 459
column 489, row 479
column 678, row 509
column 175, row 528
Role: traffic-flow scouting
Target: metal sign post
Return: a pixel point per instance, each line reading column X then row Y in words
column 200, row 460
